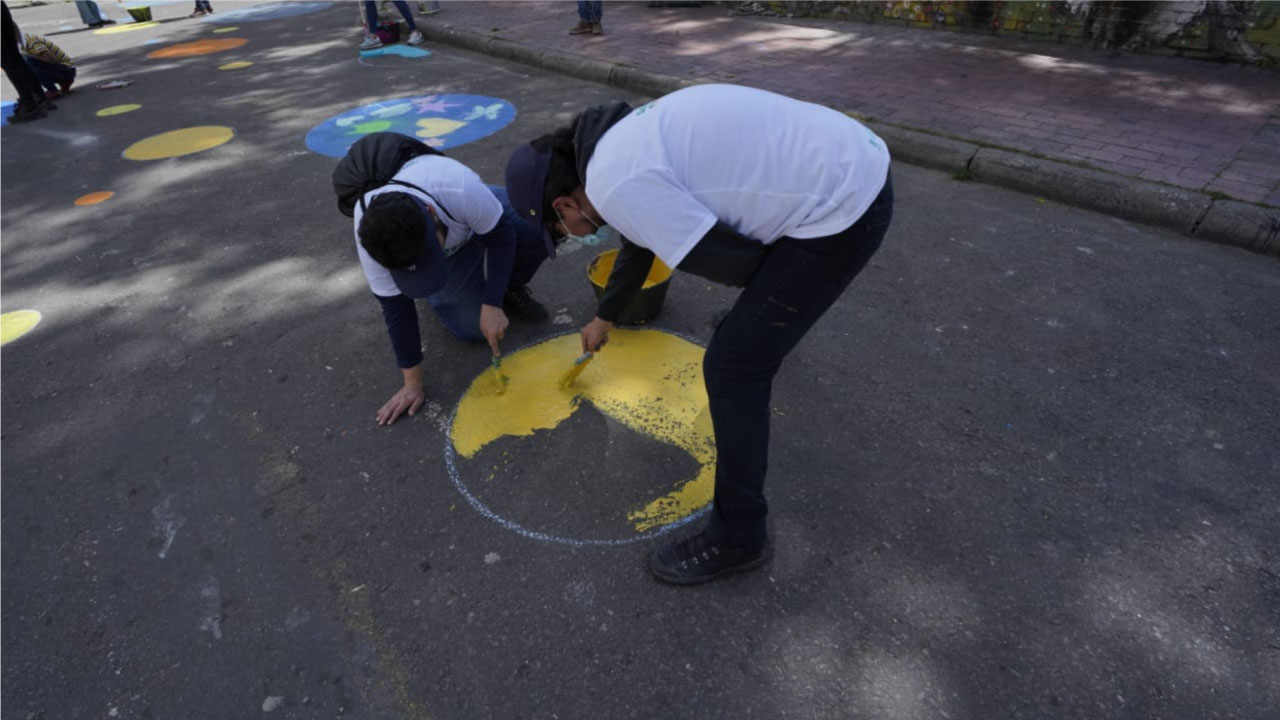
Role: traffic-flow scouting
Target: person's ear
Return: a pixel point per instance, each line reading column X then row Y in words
column 563, row 203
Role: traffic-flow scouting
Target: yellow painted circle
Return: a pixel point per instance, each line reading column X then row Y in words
column 179, row 142
column 197, row 47
column 125, row 28
column 226, row 29
column 94, row 198
column 647, row 380
column 235, row 65
column 118, row 109
column 14, row 325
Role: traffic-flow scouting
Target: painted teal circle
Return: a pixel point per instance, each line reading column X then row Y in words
column 467, row 118
column 269, row 11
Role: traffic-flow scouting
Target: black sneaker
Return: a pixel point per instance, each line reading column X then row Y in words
column 26, row 113
column 697, row 560
column 519, row 304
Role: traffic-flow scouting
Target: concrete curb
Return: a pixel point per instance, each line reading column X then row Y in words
column 1193, row 213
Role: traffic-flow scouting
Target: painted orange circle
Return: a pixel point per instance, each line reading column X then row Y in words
column 94, row 198
column 198, row 47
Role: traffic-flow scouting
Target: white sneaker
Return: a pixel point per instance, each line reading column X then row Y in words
column 370, row 42
column 415, row 38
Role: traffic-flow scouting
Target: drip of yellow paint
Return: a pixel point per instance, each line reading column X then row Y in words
column 226, row 29
column 179, row 142
column 14, row 325
column 235, row 65
column 118, row 109
column 125, row 28
column 647, row 380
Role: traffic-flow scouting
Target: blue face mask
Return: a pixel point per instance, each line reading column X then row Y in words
column 603, row 234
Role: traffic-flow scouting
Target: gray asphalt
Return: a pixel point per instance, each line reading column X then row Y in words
column 1026, row 468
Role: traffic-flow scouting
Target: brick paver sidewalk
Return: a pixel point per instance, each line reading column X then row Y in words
column 1192, row 123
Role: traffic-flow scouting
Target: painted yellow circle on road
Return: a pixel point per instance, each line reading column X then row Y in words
column 118, row 109
column 235, row 65
column 94, row 198
column 197, row 47
column 14, row 325
column 647, row 380
column 179, row 142
column 125, row 28
column 226, row 29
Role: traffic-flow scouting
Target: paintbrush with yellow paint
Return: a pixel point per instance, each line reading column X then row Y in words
column 499, row 380
column 578, row 366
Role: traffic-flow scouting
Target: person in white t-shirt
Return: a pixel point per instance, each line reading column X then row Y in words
column 786, row 199
column 436, row 231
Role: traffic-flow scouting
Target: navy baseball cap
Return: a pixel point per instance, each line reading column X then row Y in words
column 526, row 184
column 428, row 272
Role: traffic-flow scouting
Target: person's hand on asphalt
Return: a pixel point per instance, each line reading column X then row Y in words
column 493, row 324
column 407, row 399
column 595, row 334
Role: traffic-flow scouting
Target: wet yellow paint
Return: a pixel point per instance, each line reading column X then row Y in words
column 235, row 65
column 198, row 47
column 602, row 265
column 94, row 198
column 435, row 127
column 14, row 325
column 227, row 29
column 118, row 109
column 647, row 380
column 112, row 30
column 179, row 142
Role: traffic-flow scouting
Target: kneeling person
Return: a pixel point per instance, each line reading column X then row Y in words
column 437, row 232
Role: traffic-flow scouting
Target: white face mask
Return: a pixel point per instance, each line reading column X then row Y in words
column 603, row 233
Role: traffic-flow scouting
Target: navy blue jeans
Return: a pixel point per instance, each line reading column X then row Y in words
column 796, row 283
column 50, row 74
column 590, row 11
column 457, row 304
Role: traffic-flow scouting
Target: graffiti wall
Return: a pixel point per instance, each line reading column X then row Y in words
column 1210, row 29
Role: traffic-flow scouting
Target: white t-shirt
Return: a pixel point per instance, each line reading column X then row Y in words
column 457, row 187
column 765, row 164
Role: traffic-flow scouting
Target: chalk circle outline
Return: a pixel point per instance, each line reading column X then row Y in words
column 455, row 477
column 94, row 198
column 237, row 65
column 195, row 48
column 176, row 143
column 118, row 109
column 14, row 325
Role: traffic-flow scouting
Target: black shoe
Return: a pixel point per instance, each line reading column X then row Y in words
column 26, row 113
column 519, row 304
column 697, row 560
column 46, row 104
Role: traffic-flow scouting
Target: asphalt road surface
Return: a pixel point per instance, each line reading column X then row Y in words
column 1026, row 468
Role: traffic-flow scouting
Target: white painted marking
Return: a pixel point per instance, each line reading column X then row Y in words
column 167, row 522
column 272, row 702
column 492, row 558
column 211, row 594
column 295, row 618
column 1085, row 250
column 562, row 319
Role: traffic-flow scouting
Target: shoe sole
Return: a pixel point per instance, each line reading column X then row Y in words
column 679, row 580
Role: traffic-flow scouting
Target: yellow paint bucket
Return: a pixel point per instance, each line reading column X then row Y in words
column 647, row 303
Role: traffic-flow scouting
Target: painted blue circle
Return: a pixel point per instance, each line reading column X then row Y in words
column 441, row 121
column 268, row 11
column 6, row 109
